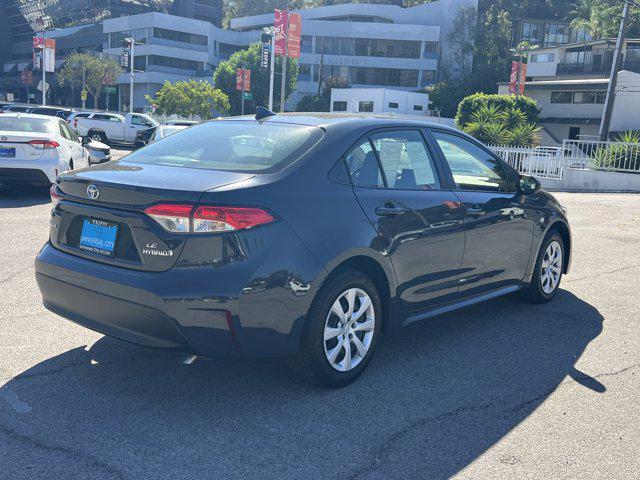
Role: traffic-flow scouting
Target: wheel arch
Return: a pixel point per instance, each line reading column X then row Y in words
column 383, row 278
column 565, row 233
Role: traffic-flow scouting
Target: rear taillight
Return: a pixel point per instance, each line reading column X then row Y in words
column 44, row 144
column 75, row 123
column 174, row 218
column 55, row 196
column 207, row 219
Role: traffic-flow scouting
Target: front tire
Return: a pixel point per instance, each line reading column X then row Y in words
column 548, row 270
column 341, row 333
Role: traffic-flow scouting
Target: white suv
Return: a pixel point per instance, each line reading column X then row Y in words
column 35, row 148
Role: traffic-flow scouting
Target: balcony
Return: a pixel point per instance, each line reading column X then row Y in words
column 596, row 62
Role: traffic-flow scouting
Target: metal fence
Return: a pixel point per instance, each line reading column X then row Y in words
column 608, row 156
column 545, row 162
column 550, row 162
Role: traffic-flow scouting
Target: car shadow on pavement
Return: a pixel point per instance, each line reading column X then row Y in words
column 437, row 395
column 16, row 197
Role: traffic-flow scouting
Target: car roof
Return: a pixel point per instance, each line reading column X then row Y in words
column 333, row 120
column 30, row 115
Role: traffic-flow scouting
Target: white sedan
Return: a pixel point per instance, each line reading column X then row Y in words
column 35, row 148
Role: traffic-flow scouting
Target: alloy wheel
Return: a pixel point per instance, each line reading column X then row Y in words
column 349, row 329
column 551, row 267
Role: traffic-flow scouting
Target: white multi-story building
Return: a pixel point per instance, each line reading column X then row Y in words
column 169, row 48
column 371, row 45
column 569, row 83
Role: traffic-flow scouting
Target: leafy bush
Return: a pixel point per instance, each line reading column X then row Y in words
column 504, row 103
column 623, row 155
column 500, row 119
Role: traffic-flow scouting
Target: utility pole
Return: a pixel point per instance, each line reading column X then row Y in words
column 613, row 77
column 272, row 67
column 44, row 68
column 84, row 99
column 242, row 91
column 131, row 62
column 284, row 62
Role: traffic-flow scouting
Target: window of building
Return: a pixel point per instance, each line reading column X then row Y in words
column 418, row 108
column 584, row 97
column 117, row 38
column 542, row 57
column 428, row 77
column 531, row 32
column 339, row 106
column 471, row 166
column 430, row 50
column 579, row 35
column 601, row 97
column 225, row 50
column 365, row 106
column 405, row 161
column 561, row 97
column 306, row 44
column 368, row 47
column 556, row 33
column 393, row 105
column 178, row 63
column 304, row 72
column 176, row 36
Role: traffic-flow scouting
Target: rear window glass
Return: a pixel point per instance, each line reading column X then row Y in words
column 17, row 124
column 240, row 146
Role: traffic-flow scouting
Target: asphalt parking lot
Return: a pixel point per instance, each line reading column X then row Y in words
column 501, row 390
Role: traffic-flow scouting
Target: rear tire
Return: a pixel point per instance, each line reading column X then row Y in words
column 337, row 345
column 548, row 271
column 98, row 136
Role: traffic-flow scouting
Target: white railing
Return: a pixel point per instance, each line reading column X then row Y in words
column 544, row 162
column 608, row 156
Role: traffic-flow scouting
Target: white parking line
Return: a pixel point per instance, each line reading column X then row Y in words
column 14, row 401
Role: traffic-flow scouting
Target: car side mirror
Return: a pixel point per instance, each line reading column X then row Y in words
column 85, row 141
column 528, row 185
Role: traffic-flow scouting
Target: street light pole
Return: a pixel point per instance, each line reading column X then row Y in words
column 44, row 69
column 131, row 63
column 272, row 67
column 613, row 78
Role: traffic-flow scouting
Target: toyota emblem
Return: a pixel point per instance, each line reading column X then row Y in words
column 93, row 192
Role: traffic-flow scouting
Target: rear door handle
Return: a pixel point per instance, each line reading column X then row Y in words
column 474, row 212
column 389, row 211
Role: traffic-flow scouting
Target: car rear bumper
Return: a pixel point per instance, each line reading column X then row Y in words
column 26, row 176
column 178, row 309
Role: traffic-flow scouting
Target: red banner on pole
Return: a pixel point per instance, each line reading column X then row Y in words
column 523, row 78
column 513, row 79
column 243, row 79
column 44, row 52
column 295, row 31
column 280, row 25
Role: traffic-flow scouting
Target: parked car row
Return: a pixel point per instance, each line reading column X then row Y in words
column 60, row 112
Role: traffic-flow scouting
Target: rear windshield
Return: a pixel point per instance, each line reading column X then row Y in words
column 17, row 124
column 239, row 146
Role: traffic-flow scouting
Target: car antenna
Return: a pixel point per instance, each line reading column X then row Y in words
column 262, row 112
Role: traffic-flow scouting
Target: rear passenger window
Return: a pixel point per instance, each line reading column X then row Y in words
column 363, row 166
column 405, row 160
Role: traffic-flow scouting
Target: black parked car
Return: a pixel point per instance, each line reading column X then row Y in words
column 59, row 112
column 307, row 242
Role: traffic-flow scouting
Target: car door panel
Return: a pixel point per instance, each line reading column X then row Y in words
column 420, row 230
column 498, row 230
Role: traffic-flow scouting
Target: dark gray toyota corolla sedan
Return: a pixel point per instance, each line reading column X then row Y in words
column 301, row 236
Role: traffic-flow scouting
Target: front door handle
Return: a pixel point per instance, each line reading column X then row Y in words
column 474, row 212
column 390, row 211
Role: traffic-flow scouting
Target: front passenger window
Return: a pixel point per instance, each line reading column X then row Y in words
column 472, row 167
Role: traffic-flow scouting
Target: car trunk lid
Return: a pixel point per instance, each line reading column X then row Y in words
column 103, row 207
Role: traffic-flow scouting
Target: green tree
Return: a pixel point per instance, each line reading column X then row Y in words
column 601, row 18
column 224, row 78
column 190, row 98
column 96, row 71
column 500, row 119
